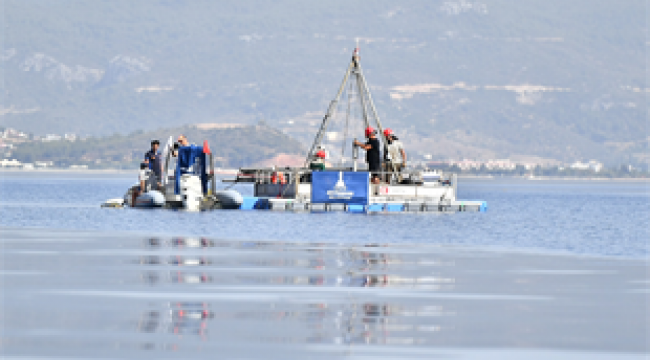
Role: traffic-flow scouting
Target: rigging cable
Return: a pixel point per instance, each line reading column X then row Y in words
column 347, row 124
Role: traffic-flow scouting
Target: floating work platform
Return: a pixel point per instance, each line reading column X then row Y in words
column 325, row 183
column 350, row 191
column 260, row 203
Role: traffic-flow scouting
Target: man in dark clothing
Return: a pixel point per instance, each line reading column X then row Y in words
column 373, row 157
column 154, row 159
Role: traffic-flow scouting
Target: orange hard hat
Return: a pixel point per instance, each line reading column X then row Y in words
column 369, row 131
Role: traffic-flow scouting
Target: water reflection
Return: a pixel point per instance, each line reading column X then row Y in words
column 120, row 296
column 180, row 318
column 287, row 271
column 352, row 323
column 282, row 263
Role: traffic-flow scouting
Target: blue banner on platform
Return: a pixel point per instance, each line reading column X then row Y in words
column 328, row 187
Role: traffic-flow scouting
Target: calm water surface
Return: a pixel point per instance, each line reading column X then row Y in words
column 553, row 270
column 581, row 217
column 91, row 295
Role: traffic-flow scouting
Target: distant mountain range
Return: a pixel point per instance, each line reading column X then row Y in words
column 478, row 79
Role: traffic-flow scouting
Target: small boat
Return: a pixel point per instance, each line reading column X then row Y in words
column 188, row 183
column 150, row 199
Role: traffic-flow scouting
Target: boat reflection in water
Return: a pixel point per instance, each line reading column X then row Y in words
column 285, row 274
column 86, row 295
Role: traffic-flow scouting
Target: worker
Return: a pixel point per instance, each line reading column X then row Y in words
column 181, row 141
column 144, row 182
column 154, row 159
column 372, row 153
column 277, row 177
column 318, row 163
column 394, row 154
column 144, row 178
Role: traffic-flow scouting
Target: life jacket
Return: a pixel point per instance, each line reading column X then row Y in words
column 278, row 178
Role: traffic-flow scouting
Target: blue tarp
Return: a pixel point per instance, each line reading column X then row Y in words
column 191, row 160
column 340, row 187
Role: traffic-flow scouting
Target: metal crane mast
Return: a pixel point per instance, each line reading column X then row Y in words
column 354, row 73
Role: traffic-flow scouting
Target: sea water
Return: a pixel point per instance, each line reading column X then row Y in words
column 554, row 269
column 582, row 217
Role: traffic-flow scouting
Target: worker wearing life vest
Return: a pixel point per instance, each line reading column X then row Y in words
column 278, row 178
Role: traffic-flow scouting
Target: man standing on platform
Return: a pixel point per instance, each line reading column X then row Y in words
column 372, row 153
column 394, row 154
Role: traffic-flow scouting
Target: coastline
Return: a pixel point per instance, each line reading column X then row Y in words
column 96, row 171
column 553, row 178
column 234, row 172
column 61, row 170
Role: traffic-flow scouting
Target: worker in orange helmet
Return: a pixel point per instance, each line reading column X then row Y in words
column 372, row 153
column 394, row 154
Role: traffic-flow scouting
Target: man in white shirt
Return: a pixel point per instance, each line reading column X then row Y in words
column 144, row 180
column 394, row 154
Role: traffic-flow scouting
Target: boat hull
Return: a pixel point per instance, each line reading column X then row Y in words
column 229, row 199
column 151, row 199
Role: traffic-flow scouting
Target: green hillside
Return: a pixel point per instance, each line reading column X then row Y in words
column 458, row 78
column 232, row 147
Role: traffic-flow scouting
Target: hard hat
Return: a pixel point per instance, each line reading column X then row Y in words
column 388, row 132
column 369, row 131
column 320, row 154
